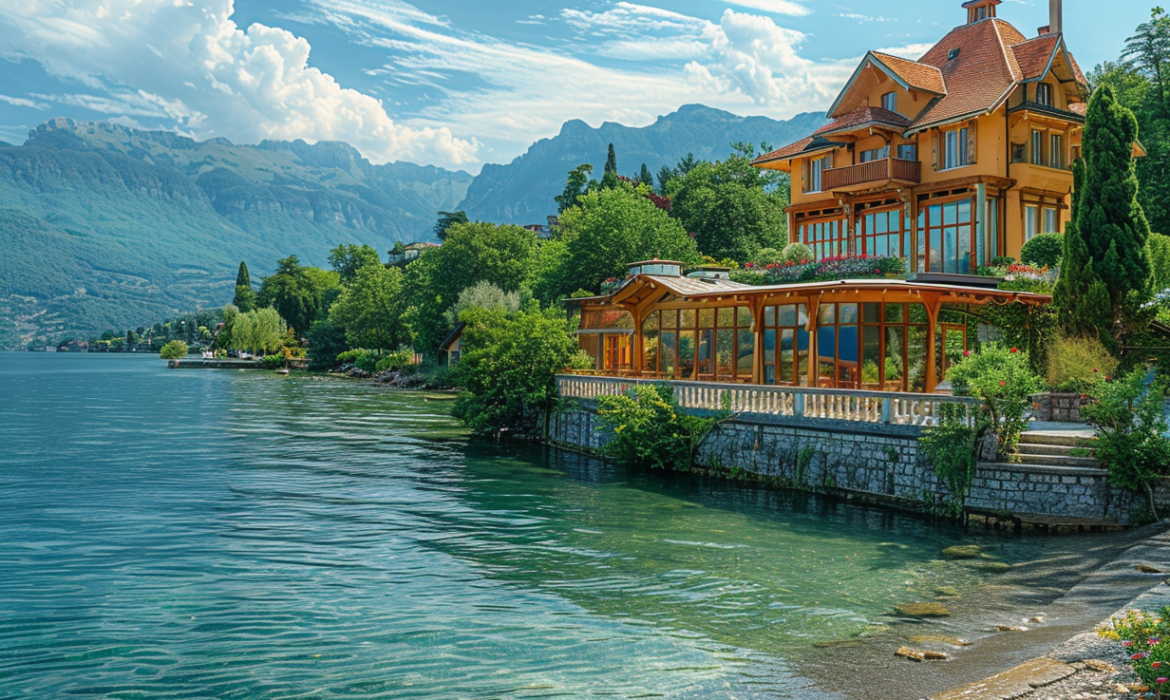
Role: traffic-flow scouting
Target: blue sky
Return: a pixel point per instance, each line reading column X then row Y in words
column 458, row 83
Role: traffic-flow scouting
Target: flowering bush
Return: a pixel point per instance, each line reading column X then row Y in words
column 1018, row 277
column 1003, row 380
column 846, row 267
column 1161, row 304
column 1075, row 365
column 1146, row 639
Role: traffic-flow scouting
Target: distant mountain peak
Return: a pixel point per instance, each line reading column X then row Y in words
column 523, row 191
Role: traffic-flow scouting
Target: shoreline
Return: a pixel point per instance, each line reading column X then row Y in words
column 1086, row 666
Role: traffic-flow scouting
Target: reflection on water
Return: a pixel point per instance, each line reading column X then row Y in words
column 241, row 535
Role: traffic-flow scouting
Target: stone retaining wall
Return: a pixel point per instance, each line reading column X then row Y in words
column 878, row 463
column 1058, row 491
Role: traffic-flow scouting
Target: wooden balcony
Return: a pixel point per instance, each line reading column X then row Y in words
column 871, row 173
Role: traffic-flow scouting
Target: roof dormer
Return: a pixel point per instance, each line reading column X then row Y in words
column 979, row 10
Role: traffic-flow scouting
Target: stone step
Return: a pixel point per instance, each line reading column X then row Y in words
column 1036, row 448
column 1026, row 457
column 1057, row 470
column 1045, row 438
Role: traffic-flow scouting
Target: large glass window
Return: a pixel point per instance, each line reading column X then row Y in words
column 838, row 361
column 945, row 237
column 875, row 154
column 890, row 102
column 703, row 344
column 816, row 173
column 786, row 341
column 828, row 238
column 881, row 233
column 1037, row 148
column 1056, row 151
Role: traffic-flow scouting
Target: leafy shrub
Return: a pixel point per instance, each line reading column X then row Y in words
column 273, row 361
column 394, row 361
column 1003, row 381
column 768, row 256
column 1146, row 640
column 646, row 429
column 1043, row 250
column 1002, row 261
column 1160, row 260
column 365, row 360
column 1075, row 365
column 1131, row 437
column 797, row 253
column 951, row 448
column 326, row 341
column 174, row 350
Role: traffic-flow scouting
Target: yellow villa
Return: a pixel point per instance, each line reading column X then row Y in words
column 948, row 162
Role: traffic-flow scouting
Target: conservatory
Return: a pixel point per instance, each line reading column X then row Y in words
column 887, row 335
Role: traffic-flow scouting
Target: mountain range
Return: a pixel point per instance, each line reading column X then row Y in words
column 108, row 227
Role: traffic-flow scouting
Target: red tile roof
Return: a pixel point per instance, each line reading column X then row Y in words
column 972, row 70
column 862, row 116
column 918, row 76
column 980, row 75
column 1034, row 55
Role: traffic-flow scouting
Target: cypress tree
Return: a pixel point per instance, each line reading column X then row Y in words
column 245, row 297
column 609, row 178
column 646, row 177
column 1106, row 260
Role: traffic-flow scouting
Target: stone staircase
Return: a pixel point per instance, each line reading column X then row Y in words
column 1054, row 449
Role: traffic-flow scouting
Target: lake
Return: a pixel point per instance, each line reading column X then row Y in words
column 232, row 534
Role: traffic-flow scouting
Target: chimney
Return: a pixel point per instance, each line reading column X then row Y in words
column 1055, row 16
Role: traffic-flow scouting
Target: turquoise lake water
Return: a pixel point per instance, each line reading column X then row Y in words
column 218, row 534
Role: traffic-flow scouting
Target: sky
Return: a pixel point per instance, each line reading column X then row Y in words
column 460, row 83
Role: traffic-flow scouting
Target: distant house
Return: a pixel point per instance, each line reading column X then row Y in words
column 451, row 348
column 73, row 346
column 410, row 253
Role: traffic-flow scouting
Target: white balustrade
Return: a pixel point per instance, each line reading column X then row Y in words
column 803, row 402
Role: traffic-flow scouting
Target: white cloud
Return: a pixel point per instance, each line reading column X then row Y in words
column 22, row 102
column 863, row 18
column 745, row 64
column 189, row 62
column 775, row 7
column 910, row 51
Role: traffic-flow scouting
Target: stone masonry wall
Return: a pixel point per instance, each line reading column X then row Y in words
column 875, row 462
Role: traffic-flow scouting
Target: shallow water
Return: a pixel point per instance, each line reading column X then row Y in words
column 217, row 534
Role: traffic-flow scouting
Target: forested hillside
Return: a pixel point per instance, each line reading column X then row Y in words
column 105, row 226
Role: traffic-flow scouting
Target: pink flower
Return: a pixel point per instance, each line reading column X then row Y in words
column 1127, row 643
column 1160, row 680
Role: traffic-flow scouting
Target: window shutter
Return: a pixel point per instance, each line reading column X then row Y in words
column 934, row 146
column 804, row 172
column 972, row 149
column 829, row 160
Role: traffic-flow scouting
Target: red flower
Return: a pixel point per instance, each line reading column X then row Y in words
column 1015, row 350
column 1094, row 370
column 966, row 353
column 1003, row 383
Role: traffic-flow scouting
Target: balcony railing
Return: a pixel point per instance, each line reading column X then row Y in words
column 873, row 171
column 797, row 402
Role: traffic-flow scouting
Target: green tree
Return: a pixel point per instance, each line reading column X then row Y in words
column 609, row 177
column 346, row 260
column 261, row 331
column 508, row 368
column 1109, row 232
column 223, row 340
column 575, row 185
column 174, row 350
column 483, row 295
column 645, row 176
column 297, row 293
column 447, row 219
column 500, row 255
column 326, row 341
column 612, row 228
column 369, row 309
column 245, row 298
column 732, row 208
